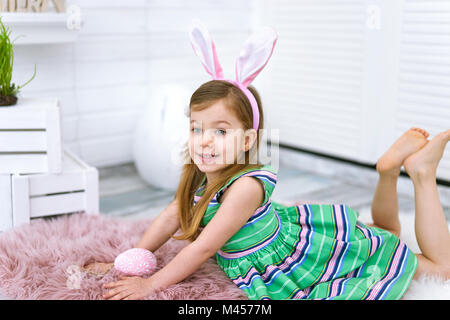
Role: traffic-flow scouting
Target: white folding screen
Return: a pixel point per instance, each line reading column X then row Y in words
column 349, row 76
column 316, row 72
column 424, row 70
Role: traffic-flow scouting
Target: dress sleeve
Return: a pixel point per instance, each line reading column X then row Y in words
column 266, row 175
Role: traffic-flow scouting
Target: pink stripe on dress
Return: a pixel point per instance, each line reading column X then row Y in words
column 335, row 286
column 258, row 172
column 301, row 243
column 247, row 278
column 299, row 295
column 370, row 238
column 339, row 222
column 333, row 261
column 376, row 289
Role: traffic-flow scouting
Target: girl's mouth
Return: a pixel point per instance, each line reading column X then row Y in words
column 208, row 158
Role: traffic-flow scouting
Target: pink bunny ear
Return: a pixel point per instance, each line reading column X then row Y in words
column 255, row 54
column 204, row 48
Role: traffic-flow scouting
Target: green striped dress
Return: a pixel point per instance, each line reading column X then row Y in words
column 310, row 251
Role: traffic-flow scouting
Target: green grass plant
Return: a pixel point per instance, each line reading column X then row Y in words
column 6, row 63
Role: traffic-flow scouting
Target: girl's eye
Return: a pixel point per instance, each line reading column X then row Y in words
column 218, row 131
column 221, row 132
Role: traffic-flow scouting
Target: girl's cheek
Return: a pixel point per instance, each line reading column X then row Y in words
column 194, row 143
column 192, row 147
column 230, row 149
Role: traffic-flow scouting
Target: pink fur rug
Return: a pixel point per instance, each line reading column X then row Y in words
column 40, row 260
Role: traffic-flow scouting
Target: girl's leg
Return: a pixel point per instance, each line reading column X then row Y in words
column 431, row 227
column 385, row 200
column 385, row 204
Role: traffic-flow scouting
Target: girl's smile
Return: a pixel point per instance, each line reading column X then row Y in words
column 207, row 158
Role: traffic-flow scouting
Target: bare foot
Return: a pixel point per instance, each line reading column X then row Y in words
column 98, row 268
column 424, row 162
column 410, row 142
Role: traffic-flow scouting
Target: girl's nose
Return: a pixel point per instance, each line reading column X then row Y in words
column 207, row 138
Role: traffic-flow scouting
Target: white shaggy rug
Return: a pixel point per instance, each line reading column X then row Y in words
column 426, row 287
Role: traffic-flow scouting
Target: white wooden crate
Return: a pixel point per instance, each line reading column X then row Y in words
column 27, row 196
column 30, row 136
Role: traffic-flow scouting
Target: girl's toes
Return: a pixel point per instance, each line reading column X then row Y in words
column 447, row 134
column 444, row 135
column 422, row 131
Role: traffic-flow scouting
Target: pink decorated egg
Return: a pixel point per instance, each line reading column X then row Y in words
column 135, row 262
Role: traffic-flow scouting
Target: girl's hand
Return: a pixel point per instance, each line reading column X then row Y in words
column 128, row 288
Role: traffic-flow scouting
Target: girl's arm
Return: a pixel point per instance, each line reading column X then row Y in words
column 161, row 229
column 244, row 196
column 242, row 199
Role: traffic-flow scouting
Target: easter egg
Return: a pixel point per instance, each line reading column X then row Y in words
column 135, row 262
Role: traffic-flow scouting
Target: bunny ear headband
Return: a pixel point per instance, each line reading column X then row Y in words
column 253, row 57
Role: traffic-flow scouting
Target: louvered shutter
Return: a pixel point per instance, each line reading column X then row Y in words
column 423, row 97
column 316, row 75
column 342, row 87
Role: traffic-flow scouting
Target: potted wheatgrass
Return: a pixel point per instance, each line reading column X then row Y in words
column 8, row 90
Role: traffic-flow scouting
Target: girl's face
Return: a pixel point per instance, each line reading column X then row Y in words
column 217, row 139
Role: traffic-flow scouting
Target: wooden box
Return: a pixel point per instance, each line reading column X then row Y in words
column 27, row 196
column 30, row 136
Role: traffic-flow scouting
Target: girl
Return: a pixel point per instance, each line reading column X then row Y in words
column 272, row 251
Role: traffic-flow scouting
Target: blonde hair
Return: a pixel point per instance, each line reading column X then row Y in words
column 190, row 216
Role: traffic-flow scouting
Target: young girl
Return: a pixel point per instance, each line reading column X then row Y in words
column 273, row 251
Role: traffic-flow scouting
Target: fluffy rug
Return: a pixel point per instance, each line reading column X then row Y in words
column 41, row 261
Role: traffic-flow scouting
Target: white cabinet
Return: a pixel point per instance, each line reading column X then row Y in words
column 30, row 136
column 27, row 196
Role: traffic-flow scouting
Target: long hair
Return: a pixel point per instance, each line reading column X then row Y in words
column 207, row 94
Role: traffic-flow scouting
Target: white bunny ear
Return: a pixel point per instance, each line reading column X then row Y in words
column 203, row 46
column 255, row 54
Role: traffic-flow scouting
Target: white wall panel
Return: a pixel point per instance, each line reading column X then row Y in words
column 107, row 124
column 49, row 76
column 115, row 97
column 111, row 48
column 109, row 73
column 107, row 151
column 69, row 128
column 113, row 20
